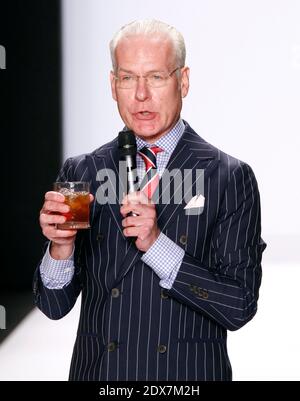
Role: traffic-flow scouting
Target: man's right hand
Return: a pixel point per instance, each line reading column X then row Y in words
column 62, row 241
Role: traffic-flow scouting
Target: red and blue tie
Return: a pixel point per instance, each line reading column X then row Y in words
column 151, row 179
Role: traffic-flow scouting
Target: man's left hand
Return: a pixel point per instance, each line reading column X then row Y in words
column 144, row 224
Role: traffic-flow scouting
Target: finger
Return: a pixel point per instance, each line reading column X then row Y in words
column 131, row 231
column 135, row 209
column 130, row 208
column 46, row 219
column 65, row 234
column 141, row 210
column 144, row 199
column 125, row 200
column 141, row 232
column 91, row 198
column 136, row 221
column 54, row 206
column 130, row 198
column 54, row 233
column 54, row 196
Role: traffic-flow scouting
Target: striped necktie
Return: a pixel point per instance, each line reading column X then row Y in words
column 151, row 179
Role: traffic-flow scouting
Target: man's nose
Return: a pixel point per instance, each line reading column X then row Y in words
column 142, row 91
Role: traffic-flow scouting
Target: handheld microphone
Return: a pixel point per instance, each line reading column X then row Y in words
column 127, row 151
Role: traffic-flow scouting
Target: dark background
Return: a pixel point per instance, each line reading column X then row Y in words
column 30, row 126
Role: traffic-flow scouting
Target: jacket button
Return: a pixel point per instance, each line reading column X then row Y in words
column 162, row 349
column 163, row 294
column 115, row 292
column 100, row 237
column 112, row 346
column 183, row 239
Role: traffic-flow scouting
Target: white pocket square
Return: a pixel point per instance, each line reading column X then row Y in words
column 196, row 202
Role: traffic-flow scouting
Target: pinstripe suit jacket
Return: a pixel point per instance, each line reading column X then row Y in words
column 132, row 329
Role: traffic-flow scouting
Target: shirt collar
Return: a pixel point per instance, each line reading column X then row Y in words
column 167, row 142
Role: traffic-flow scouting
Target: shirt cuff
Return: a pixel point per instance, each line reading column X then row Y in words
column 165, row 258
column 56, row 274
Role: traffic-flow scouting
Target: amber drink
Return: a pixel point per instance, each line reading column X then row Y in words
column 77, row 197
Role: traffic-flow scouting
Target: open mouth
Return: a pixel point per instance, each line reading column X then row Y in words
column 145, row 115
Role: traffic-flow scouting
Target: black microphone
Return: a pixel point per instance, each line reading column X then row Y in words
column 127, row 152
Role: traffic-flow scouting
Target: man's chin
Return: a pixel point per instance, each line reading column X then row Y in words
column 145, row 132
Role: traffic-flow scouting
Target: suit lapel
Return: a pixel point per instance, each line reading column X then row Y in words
column 190, row 154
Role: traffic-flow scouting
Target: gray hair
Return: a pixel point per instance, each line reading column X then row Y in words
column 150, row 27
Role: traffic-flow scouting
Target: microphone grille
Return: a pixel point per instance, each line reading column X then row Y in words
column 127, row 143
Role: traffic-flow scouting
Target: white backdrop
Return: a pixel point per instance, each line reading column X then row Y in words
column 245, row 99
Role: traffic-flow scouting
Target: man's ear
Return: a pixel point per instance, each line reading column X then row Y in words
column 113, row 85
column 185, row 81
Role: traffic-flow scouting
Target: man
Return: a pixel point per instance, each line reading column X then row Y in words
column 156, row 307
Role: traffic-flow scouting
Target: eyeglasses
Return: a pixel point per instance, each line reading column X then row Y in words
column 154, row 79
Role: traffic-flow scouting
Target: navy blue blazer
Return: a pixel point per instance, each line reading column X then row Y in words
column 132, row 329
